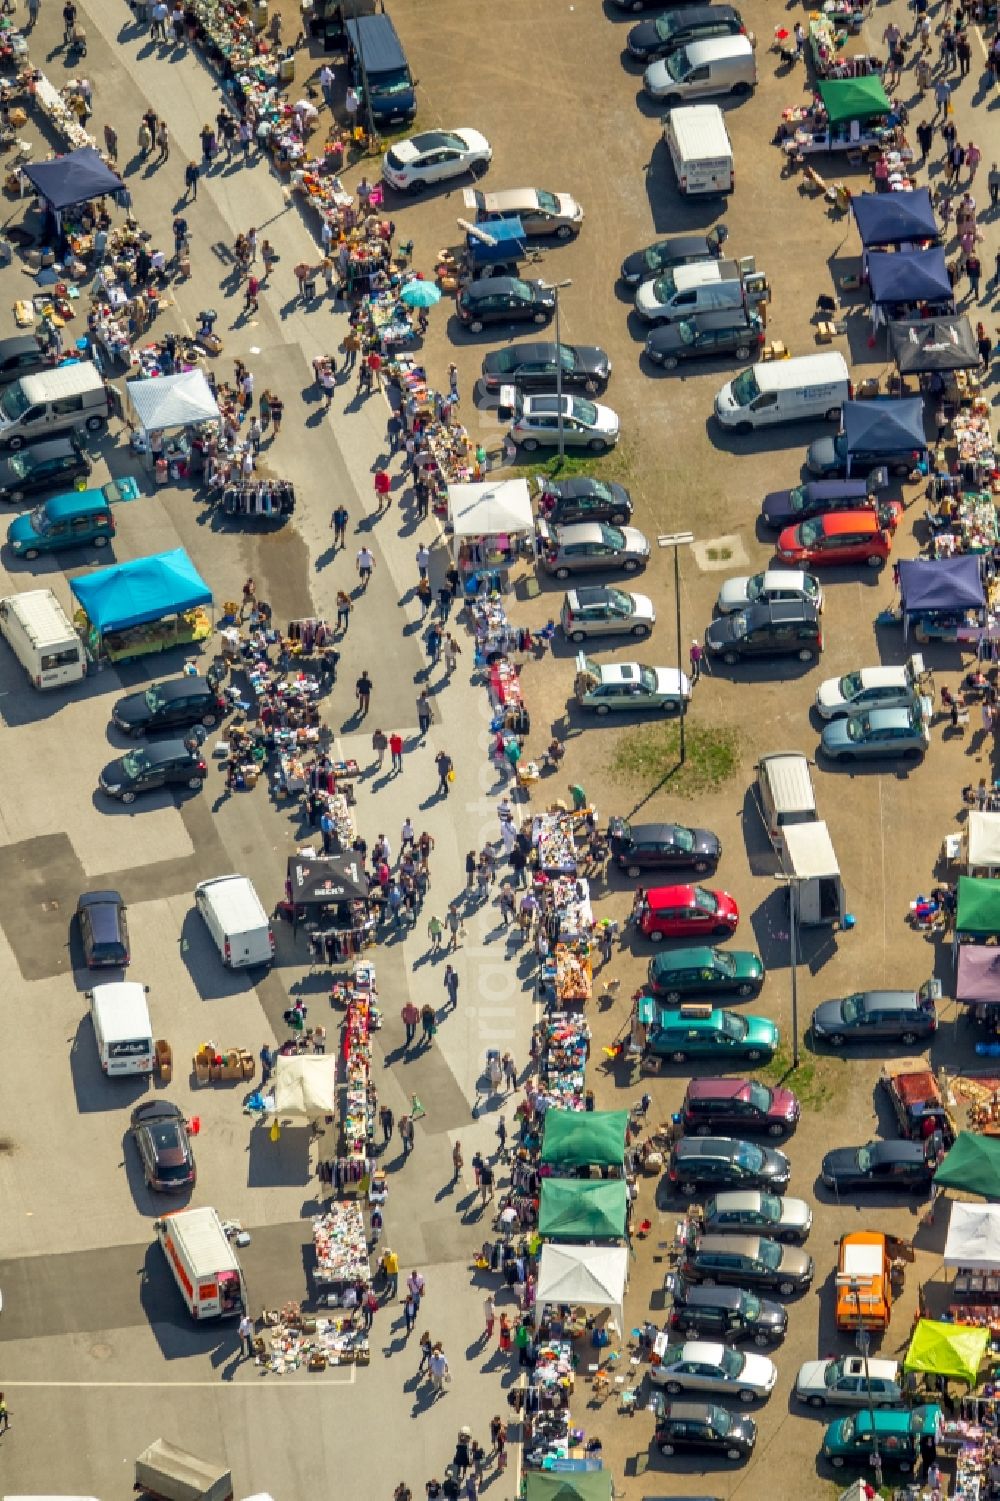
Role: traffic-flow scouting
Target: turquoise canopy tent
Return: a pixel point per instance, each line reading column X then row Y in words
column 147, row 589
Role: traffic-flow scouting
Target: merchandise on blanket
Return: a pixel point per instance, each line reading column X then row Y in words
column 340, row 1243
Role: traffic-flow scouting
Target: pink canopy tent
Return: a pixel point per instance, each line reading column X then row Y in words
column 978, row 975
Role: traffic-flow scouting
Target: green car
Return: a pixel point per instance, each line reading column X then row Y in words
column 79, row 518
column 897, row 1432
column 700, row 1032
column 705, row 971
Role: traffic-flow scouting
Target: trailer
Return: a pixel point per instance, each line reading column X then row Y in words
column 918, row 1101
column 169, row 1473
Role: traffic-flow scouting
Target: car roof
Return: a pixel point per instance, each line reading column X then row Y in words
column 711, row 48
column 883, row 677
column 706, row 1146
column 182, row 687
column 833, row 489
column 590, row 594
column 167, row 750
column 738, row 1245
column 836, row 523
column 580, row 531
column 904, row 1000
column 50, row 449
column 695, row 1295
column 671, row 896
column 547, row 404
column 670, row 1020
column 699, row 1412
column 19, row 344
column 899, row 1150
column 651, row 831
column 620, row 672
column 685, row 244
column 715, row 1089
column 784, row 578
column 741, row 1200
column 75, row 503
column 533, row 350
column 488, row 285
column 156, row 1110
column 699, row 15
column 778, row 610
column 100, row 899
column 734, row 317
column 432, row 140
column 708, row 1350
column 511, row 201
column 881, row 719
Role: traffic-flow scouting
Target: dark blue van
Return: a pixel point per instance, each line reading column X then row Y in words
column 380, row 72
column 817, row 498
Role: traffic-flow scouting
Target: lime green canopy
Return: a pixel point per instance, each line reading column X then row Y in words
column 583, row 1485
column 954, row 1350
column 584, row 1138
column 973, row 1165
column 582, row 1209
column 854, row 99
column 978, row 911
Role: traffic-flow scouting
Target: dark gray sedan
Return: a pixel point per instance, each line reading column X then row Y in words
column 532, row 367
column 905, row 1165
column 733, row 332
column 906, row 1016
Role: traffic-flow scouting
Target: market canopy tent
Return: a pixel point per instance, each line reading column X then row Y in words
column 973, row 1237
column 168, row 401
column 582, row 1209
column 581, row 1485
column 305, row 1087
column 490, row 510
column 922, row 345
column 130, row 594
column 319, row 880
column 884, row 427
column 894, row 218
column 930, row 584
column 978, row 979
column 978, row 911
column 584, row 1138
column 909, row 276
column 593, row 1276
column 972, row 1165
column 954, row 1351
column 847, row 99
column 76, row 177
column 982, row 834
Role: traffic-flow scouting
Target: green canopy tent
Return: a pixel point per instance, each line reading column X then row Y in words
column 977, row 913
column 582, row 1209
column 846, row 99
column 584, row 1138
column 973, row 1165
column 581, row 1485
column 954, row 1351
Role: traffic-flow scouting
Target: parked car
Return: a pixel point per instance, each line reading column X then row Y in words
column 837, row 539
column 900, row 733
column 638, row 847
column 904, row 1165
column 700, row 1162
column 729, row 331
column 680, row 974
column 435, row 156
column 778, row 628
column 720, row 1035
column 103, row 926
column 687, row 912
column 637, row 5
column 703, row 1366
column 897, row 1431
column 532, row 367
column 588, row 546
column 703, row 1426
column 504, row 299
column 598, row 611
column 829, row 459
column 585, row 424
column 679, row 250
column 774, row 584
column 753, row 1261
column 44, row 466
column 21, row 355
column 171, row 705
column 81, row 518
column 743, row 1105
column 159, row 1130
column 906, row 1016
column 628, row 687
column 651, row 40
column 729, row 1313
column 583, row 499
column 783, row 508
column 850, row 1381
column 871, row 688
column 743, row 1210
column 147, row 768
column 540, row 212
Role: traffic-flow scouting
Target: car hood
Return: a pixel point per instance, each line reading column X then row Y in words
column 634, row 267
column 748, row 965
column 132, row 709
column 114, row 774
column 643, row 38
column 789, row 540
column 776, row 1164
column 646, row 301
column 670, row 683
column 782, row 1100
column 834, row 736
column 795, row 1214
column 22, row 531
column 642, row 608
column 776, row 508
column 635, row 541
column 821, row 456
column 762, row 1030
column 772, row 1316
column 707, row 843
column 733, row 594
column 722, row 632
column 828, row 1013
column 657, row 77
column 607, row 422
column 592, row 358
column 811, row 1376
column 842, row 1162
column 829, row 696
column 758, row 1370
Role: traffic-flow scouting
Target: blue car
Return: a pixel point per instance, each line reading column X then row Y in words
column 900, row 733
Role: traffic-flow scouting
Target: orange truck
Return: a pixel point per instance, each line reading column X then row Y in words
column 864, row 1284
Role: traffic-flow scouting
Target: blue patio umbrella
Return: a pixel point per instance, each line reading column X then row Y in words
column 420, row 294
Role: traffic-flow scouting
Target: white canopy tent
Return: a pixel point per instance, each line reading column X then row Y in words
column 304, row 1087
column 595, row 1276
column 169, row 401
column 973, row 1236
column 983, row 841
column 490, row 510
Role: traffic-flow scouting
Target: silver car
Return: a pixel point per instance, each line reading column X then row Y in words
column 703, row 1366
column 773, row 583
column 597, row 611
column 850, row 1381
column 588, row 546
column 585, row 424
column 741, row 1210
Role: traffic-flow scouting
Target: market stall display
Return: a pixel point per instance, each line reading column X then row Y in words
column 554, row 836
column 565, row 1048
column 341, row 1248
column 148, row 605
column 490, row 524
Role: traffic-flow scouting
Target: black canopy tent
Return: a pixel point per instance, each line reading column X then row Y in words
column 77, row 177
column 920, row 346
column 324, row 881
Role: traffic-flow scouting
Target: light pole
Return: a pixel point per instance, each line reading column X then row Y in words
column 677, row 540
column 845, row 1280
column 557, row 287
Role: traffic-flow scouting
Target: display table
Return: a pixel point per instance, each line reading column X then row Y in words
column 142, row 640
column 340, row 1245
column 574, row 975
column 553, row 835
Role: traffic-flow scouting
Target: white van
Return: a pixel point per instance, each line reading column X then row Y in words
column 712, row 65
column 40, row 634
column 808, row 387
column 203, row 1262
column 706, row 287
column 786, row 794
column 122, row 1027
column 236, row 920
column 54, row 401
column 700, row 149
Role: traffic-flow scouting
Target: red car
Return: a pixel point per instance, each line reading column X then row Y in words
column 688, row 912
column 840, row 537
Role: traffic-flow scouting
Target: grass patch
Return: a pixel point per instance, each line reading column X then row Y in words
column 815, row 1081
column 650, row 757
column 617, row 465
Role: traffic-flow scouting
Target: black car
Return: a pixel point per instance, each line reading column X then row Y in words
column 747, row 1261
column 712, row 1162
column 638, row 847
column 43, row 466
column 166, row 763
column 781, row 627
column 817, row 498
column 703, row 1425
column 637, row 5
column 735, row 332
column 504, row 299
column 563, row 502
column 654, row 39
column 906, row 1165
column 103, row 929
column 161, row 1136
column 666, row 255
column 830, row 457
column 906, row 1016
column 532, row 367
column 170, row 706
column 730, row 1314
column 21, row 356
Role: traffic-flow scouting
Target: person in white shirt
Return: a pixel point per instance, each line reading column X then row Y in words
column 246, row 1335
column 326, row 83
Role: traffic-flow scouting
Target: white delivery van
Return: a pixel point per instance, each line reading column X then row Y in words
column 203, row 1262
column 700, row 149
column 40, row 634
column 786, row 794
column 706, row 287
column 237, row 921
column 54, row 401
column 711, row 65
column 122, row 1027
column 809, row 387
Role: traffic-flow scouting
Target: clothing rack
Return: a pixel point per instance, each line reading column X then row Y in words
column 268, row 500
column 310, row 632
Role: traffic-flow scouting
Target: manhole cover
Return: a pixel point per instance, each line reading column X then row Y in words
column 51, row 906
column 101, row 1352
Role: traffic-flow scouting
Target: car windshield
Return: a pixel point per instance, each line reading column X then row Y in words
column 749, row 1157
column 446, row 139
column 393, row 81
column 724, row 964
column 665, row 27
column 613, row 539
column 664, row 286
column 19, row 464
column 734, row 1027
column 13, row 402
column 706, row 899
column 39, row 521
column 864, row 1159
column 810, row 533
column 584, row 411
column 135, row 762
column 620, row 602
column 850, row 685
column 851, row 1008
column 847, row 1428
column 732, row 1363
column 548, row 201
column 678, row 65
column 600, row 491
column 750, row 1306
column 833, row 1372
column 797, row 499
column 770, row 1207
column 744, row 388
column 394, row 161
column 759, row 1094
column 721, row 1421
column 739, row 624
column 682, row 839
column 647, row 678
column 154, row 698
column 688, row 333
column 769, row 1253
column 857, row 729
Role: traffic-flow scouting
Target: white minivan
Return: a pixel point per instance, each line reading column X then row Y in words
column 808, row 387
column 236, row 919
column 40, row 634
column 53, row 401
column 712, row 65
column 700, row 149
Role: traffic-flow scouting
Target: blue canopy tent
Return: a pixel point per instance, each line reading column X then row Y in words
column 501, row 242
column 909, row 276
column 884, row 428
column 931, row 585
column 76, row 177
column 894, row 218
column 118, row 602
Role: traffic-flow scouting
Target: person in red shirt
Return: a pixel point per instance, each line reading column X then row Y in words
column 253, row 288
column 383, row 484
column 396, row 750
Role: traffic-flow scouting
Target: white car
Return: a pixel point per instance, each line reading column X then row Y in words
column 872, row 688
column 700, row 1366
column 845, row 1383
column 434, row 156
column 762, row 588
column 585, row 424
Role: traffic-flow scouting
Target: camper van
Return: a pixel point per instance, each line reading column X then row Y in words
column 40, row 634
column 811, row 387
column 203, row 1262
column 700, row 149
column 122, row 1027
column 785, row 793
column 53, row 401
column 234, row 916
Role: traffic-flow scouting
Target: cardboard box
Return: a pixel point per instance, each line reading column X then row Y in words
column 824, row 333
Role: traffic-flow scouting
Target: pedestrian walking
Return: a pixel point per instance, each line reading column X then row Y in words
column 490, row 1311
column 250, row 303
column 925, row 135
column 502, row 1138
column 451, row 986
column 452, row 652
column 423, row 713
column 506, row 904
column 500, row 1441
column 974, row 271
column 363, row 692
column 369, row 1304
column 387, row 1121
column 426, row 1350
column 435, row 931
column 145, row 139
column 696, row 655
column 111, row 142
column 338, row 521
column 428, row 1024
column 266, row 1063
column 985, row 346
column 163, row 141
column 410, row 1016
column 942, row 98
column 453, row 922
column 486, row 1188
column 34, row 6
column 4, row 1414
column 445, row 771
column 390, row 1261
column 509, row 1072
column 439, row 1372
column 365, row 564
column 973, row 157
column 423, row 559
column 383, row 488
column 410, row 1310
column 963, row 51
column 246, row 1336
column 457, row 1161
column 396, row 750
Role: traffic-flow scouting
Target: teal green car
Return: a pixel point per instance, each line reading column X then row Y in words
column 895, row 1431
column 79, row 518
column 699, row 1032
column 705, row 972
